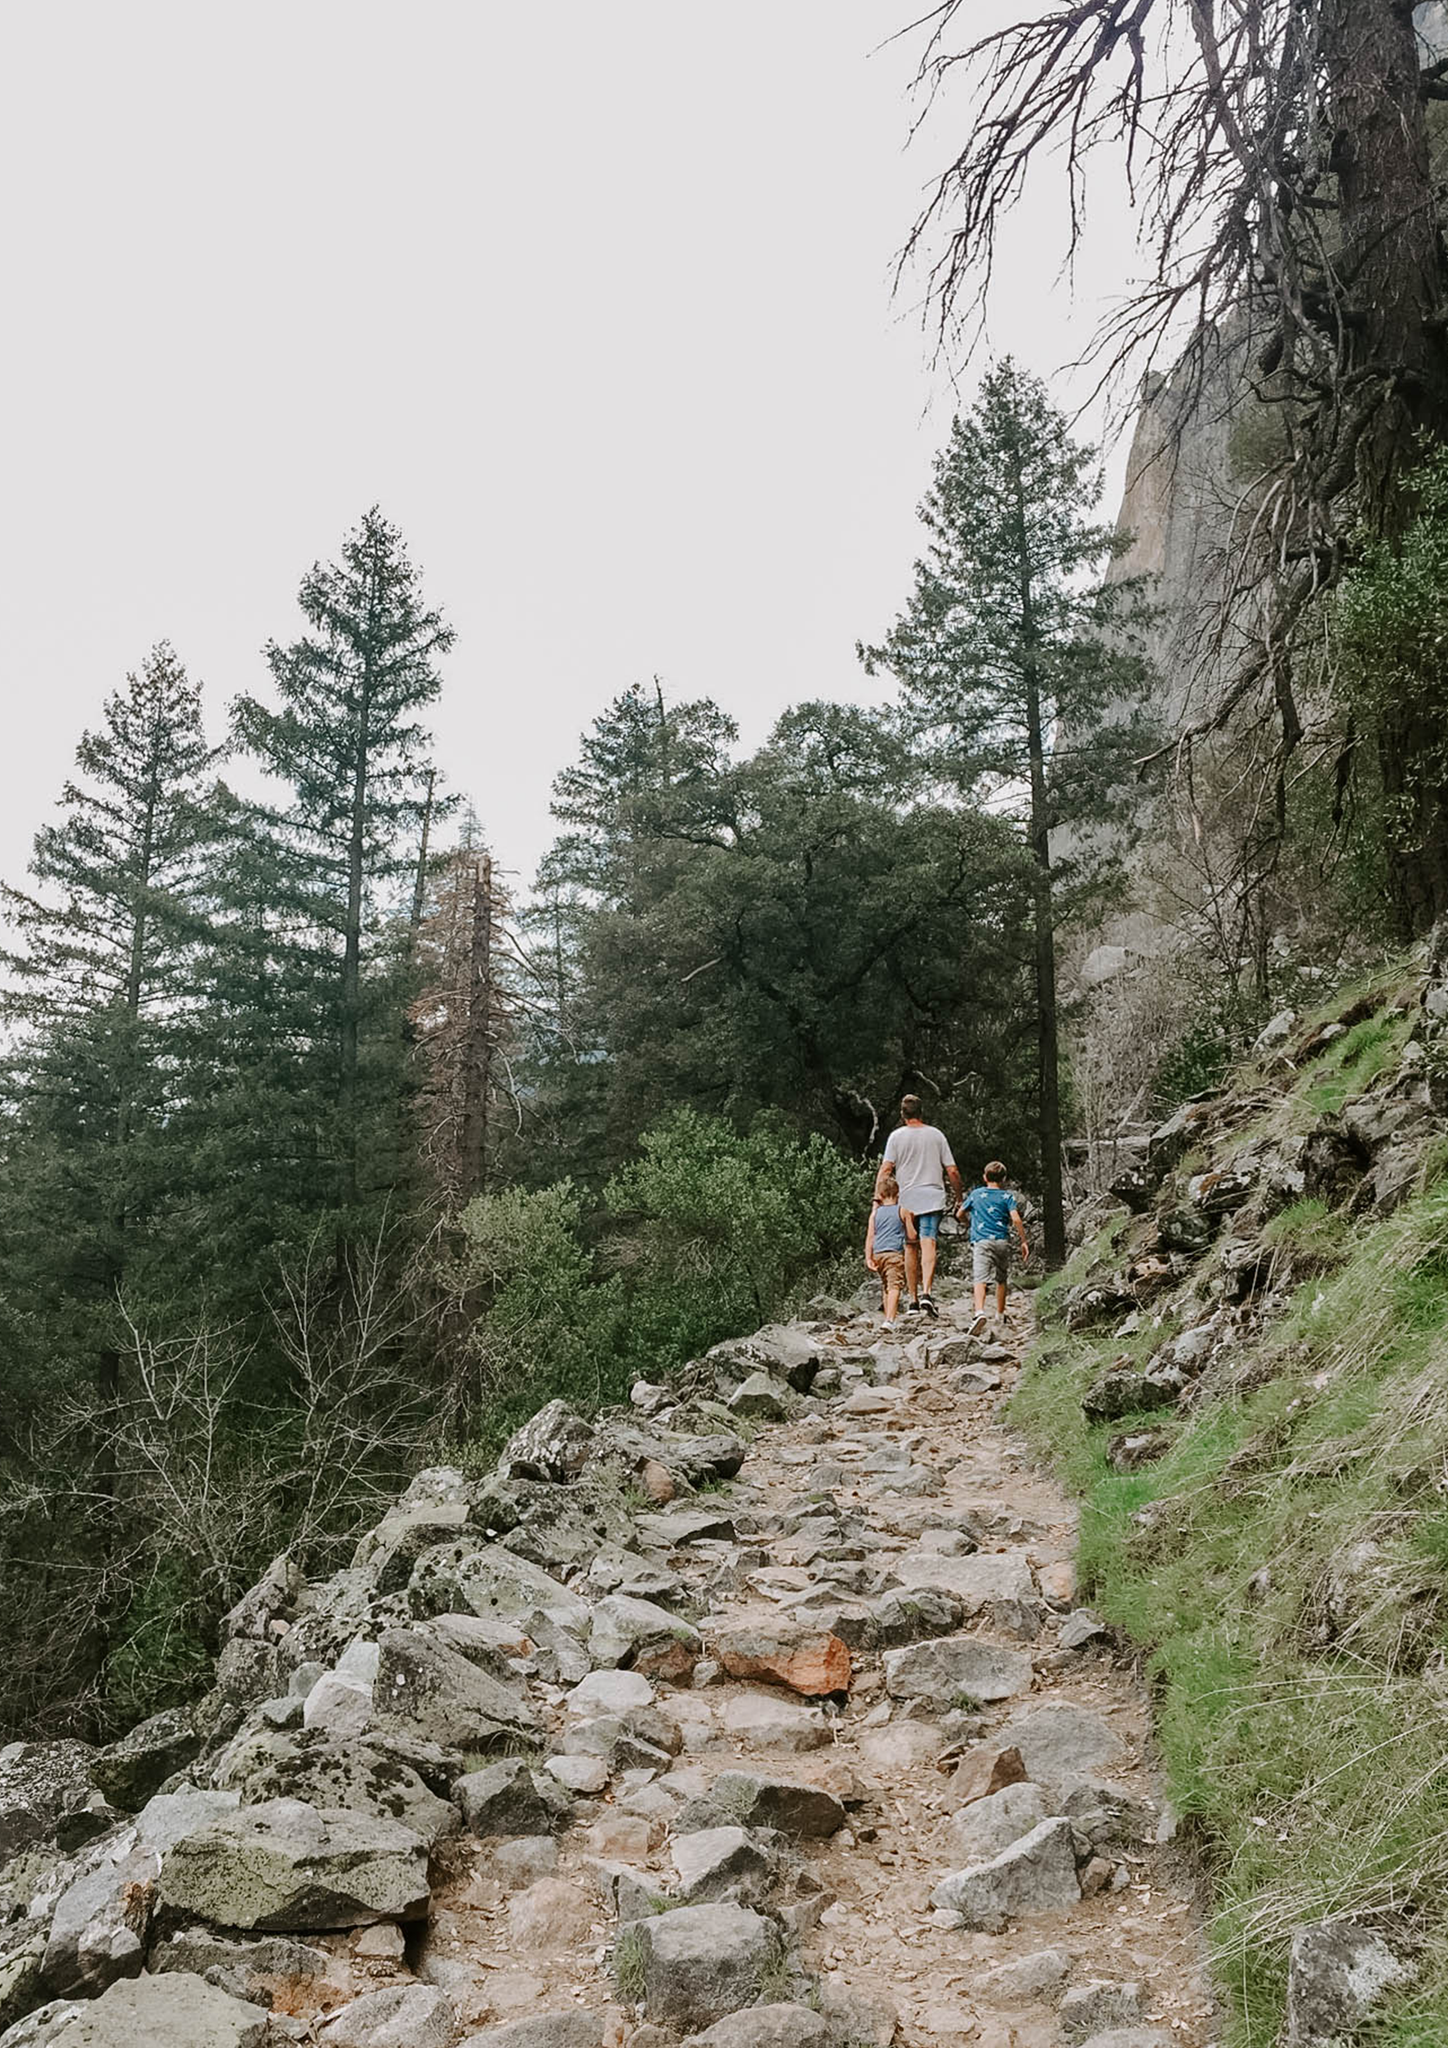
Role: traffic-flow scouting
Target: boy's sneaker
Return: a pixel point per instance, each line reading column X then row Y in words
column 978, row 1325
column 912, row 1308
column 927, row 1303
column 887, row 1322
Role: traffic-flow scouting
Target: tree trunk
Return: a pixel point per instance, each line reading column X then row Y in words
column 477, row 1042
column 352, row 946
column 1053, row 1203
column 419, row 886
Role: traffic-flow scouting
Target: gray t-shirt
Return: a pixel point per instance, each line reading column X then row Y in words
column 919, row 1155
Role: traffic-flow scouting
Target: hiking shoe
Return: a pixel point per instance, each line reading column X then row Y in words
column 927, row 1303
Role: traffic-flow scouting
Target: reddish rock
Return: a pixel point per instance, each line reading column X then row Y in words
column 657, row 1482
column 808, row 1660
column 987, row 1770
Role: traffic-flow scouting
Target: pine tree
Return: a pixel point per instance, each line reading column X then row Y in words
column 346, row 741
column 1020, row 664
column 99, row 999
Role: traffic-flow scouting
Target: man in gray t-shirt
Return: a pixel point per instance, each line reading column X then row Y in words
column 922, row 1163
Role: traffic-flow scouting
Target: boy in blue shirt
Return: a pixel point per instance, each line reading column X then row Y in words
column 993, row 1213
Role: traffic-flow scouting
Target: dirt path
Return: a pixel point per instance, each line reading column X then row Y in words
column 896, row 1490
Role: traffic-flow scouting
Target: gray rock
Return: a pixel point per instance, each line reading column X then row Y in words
column 765, row 1721
column 1081, row 1628
column 338, row 1706
column 1095, row 2007
column 248, row 1671
column 1108, row 1814
column 721, row 1863
column 610, row 1692
column 509, row 1799
column 542, row 2030
column 1059, row 1742
column 99, row 1929
column 1275, row 1032
column 791, row 1805
column 146, row 2012
column 1035, row 1875
column 554, row 1445
column 388, row 1553
column 1041, row 1975
column 625, row 1631
column 1339, row 1971
column 766, row 2026
column 687, row 1525
column 493, row 1583
column 273, row 1598
column 1132, row 2037
column 163, row 1820
column 41, row 1783
column 910, row 1616
column 1127, row 1392
column 130, row 1770
column 425, row 1689
column 985, row 1827
column 287, row 1867
column 942, row 1670
column 974, row 1581
column 272, row 1970
column 402, row 2016
column 702, row 1962
column 356, row 1776
column 761, row 1398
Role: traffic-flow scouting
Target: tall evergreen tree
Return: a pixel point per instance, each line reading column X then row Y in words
column 99, row 990
column 1020, row 664
column 346, row 740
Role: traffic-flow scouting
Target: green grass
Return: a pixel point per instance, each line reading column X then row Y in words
column 629, row 1964
column 1311, row 1765
column 1352, row 1063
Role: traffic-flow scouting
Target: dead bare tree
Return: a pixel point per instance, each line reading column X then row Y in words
column 1276, row 153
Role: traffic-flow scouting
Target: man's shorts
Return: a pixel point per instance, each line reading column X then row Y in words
column 929, row 1224
column 891, row 1271
column 990, row 1259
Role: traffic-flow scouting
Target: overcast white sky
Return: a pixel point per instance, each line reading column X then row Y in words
column 592, row 297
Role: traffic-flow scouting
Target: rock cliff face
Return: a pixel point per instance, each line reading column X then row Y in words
column 760, row 1714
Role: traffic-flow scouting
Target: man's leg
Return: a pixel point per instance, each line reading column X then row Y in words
column 927, row 1264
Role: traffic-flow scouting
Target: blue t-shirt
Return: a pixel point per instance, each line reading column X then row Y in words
column 889, row 1227
column 989, row 1210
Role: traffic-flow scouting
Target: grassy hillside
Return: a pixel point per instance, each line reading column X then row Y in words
column 1281, row 1555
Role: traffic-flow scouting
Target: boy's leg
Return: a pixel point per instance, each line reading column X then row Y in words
column 980, row 1294
column 892, row 1299
column 927, row 1264
column 1000, row 1297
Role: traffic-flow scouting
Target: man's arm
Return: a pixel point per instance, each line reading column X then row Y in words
column 887, row 1165
column 957, row 1186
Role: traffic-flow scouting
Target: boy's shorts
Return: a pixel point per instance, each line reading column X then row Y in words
column 891, row 1271
column 990, row 1259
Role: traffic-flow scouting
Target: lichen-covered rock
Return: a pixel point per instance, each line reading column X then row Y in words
column 761, row 1398
column 1339, row 1971
column 644, row 1636
column 287, row 1867
column 1125, row 1391
column 425, row 1689
column 1091, row 2008
column 41, row 1783
column 722, row 1864
column 273, row 1598
column 270, row 1970
column 146, row 2012
column 553, row 1445
column 388, row 1553
column 494, row 1583
column 351, row 1775
column 1036, row 1874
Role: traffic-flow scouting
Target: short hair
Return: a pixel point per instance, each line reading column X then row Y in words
column 911, row 1105
column 889, row 1186
column 995, row 1170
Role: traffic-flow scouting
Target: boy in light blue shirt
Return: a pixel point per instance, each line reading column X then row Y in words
column 993, row 1214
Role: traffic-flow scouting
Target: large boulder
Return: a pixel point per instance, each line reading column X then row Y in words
column 487, row 1580
column 722, row 1863
column 793, row 1805
column 129, row 1771
column 351, row 1775
column 555, row 1445
column 1059, row 1743
column 766, row 2026
column 425, row 1689
column 981, row 1830
column 388, row 1553
column 1036, row 1874
column 287, row 1867
column 509, row 1799
column 644, row 1636
column 699, row 1963
column 273, row 1970
column 98, row 1932
column 147, row 2012
column 42, row 1785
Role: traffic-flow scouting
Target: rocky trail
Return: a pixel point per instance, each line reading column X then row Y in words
column 761, row 1716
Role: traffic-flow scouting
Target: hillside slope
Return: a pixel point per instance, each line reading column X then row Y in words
column 1244, row 1374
